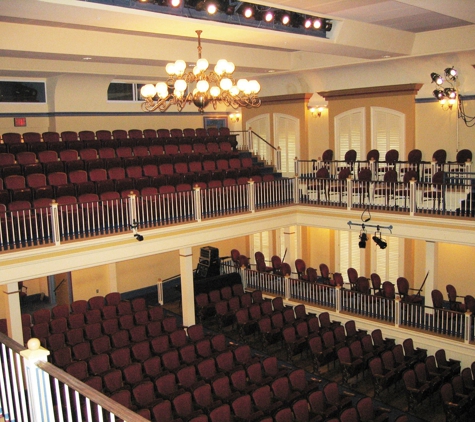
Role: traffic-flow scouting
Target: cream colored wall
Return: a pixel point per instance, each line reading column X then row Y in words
column 456, row 266
column 90, row 282
column 316, row 247
column 143, row 272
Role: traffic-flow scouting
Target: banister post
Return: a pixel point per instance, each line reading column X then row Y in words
column 296, row 190
column 397, row 311
column 243, row 273
column 296, row 166
column 412, row 197
column 468, row 327
column 38, row 381
column 349, row 193
column 278, row 159
column 337, row 299
column 197, row 202
column 160, row 291
column 249, row 139
column 132, row 199
column 251, row 195
column 287, row 287
column 55, row 232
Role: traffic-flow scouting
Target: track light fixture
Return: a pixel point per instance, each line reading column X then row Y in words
column 363, row 239
column 242, row 13
column 379, row 241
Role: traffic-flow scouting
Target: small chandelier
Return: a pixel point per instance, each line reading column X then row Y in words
column 214, row 87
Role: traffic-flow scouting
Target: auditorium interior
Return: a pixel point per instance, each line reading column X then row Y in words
column 365, row 81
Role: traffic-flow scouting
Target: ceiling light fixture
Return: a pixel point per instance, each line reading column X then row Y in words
column 214, row 87
column 248, row 12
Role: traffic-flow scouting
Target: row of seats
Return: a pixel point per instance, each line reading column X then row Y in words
column 41, row 188
column 34, row 141
column 26, row 163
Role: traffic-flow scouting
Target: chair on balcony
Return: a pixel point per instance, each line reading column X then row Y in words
column 404, row 190
column 301, row 269
column 387, row 189
column 414, row 159
column 352, row 277
column 403, row 290
column 276, row 264
column 339, row 186
column 452, row 296
column 435, row 190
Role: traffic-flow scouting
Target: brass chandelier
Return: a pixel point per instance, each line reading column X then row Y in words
column 213, row 87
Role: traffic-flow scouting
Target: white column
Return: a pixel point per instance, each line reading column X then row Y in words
column 187, row 288
column 289, row 238
column 13, row 311
column 431, row 266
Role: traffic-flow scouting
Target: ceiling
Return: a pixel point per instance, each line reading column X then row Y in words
column 363, row 30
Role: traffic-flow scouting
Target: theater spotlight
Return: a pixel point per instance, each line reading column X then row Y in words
column 285, row 18
column 436, row 78
column 379, row 241
column 307, row 23
column 269, row 16
column 450, row 93
column 439, row 94
column 450, row 73
column 248, row 12
column 328, row 26
column 174, row 3
column 363, row 240
column 317, row 23
column 211, row 7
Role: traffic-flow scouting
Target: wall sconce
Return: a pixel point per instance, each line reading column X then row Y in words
column 235, row 117
column 317, row 111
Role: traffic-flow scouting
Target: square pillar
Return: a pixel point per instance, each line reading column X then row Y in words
column 187, row 287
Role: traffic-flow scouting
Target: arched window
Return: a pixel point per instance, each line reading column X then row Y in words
column 261, row 125
column 350, row 133
column 287, row 137
column 387, row 130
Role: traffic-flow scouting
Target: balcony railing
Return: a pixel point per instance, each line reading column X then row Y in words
column 450, row 324
column 59, row 223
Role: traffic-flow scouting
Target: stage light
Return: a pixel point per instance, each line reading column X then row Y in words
column 307, row 23
column 450, row 73
column 211, row 7
column 248, row 12
column 363, row 240
column 450, row 93
column 285, row 18
column 269, row 16
column 317, row 23
column 438, row 93
column 436, row 78
column 174, row 3
column 379, row 241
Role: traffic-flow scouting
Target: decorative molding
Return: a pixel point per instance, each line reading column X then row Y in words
column 375, row 91
column 282, row 99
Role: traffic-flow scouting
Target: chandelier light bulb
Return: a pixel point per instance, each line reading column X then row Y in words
column 202, row 86
column 180, row 67
column 215, row 91
column 202, row 64
column 254, row 86
column 226, row 84
column 162, row 89
column 170, row 68
column 148, row 91
column 180, row 85
column 230, row 68
column 234, row 91
column 242, row 84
